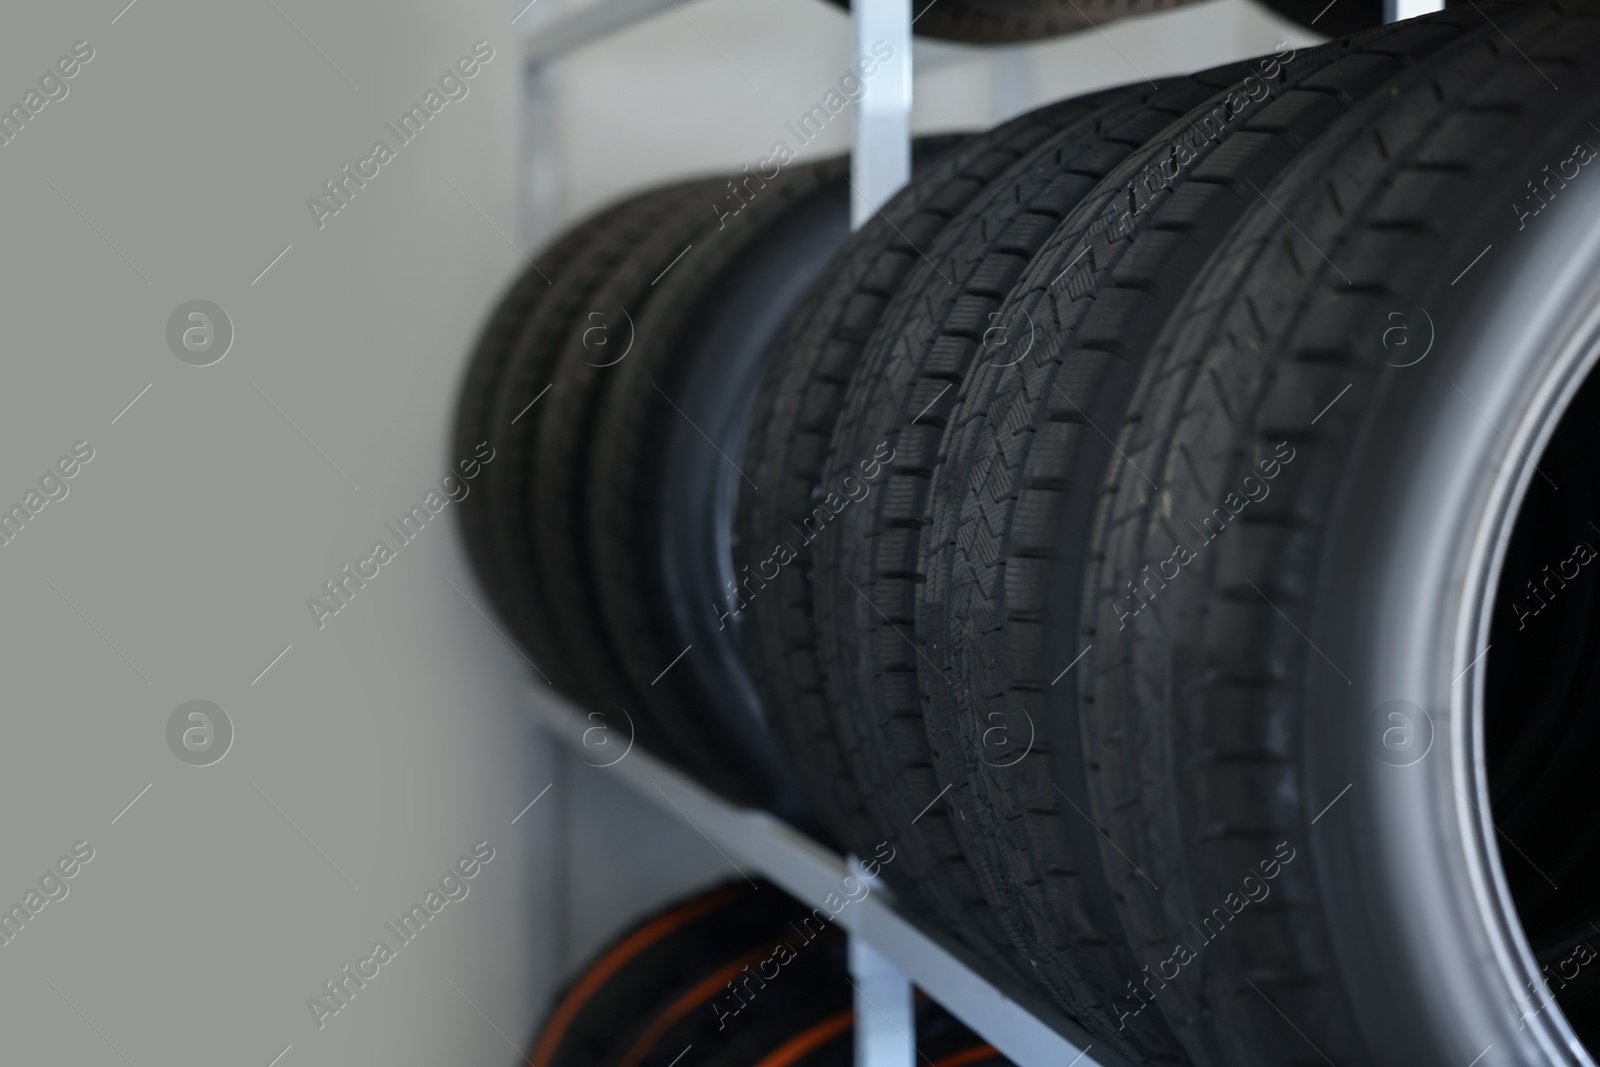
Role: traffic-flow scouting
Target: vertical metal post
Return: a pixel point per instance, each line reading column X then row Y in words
column 885, row 1014
column 1011, row 81
column 880, row 159
column 885, row 1022
column 539, row 184
column 1395, row 10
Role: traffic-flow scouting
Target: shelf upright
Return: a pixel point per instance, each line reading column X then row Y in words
column 880, row 153
column 1396, row 10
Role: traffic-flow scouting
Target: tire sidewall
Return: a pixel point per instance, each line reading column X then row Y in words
column 1421, row 918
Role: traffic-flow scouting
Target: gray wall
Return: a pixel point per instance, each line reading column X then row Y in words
column 381, row 747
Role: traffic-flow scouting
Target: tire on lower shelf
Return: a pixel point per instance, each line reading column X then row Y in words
column 724, row 1009
column 605, row 1014
column 803, row 1037
column 743, row 974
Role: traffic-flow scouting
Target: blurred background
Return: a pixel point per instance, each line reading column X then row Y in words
column 366, row 752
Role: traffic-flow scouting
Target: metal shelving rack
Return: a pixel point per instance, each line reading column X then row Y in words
column 889, row 954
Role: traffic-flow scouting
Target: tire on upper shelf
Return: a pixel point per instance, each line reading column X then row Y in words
column 799, row 404
column 649, row 446
column 1014, row 21
column 665, row 472
column 616, row 397
column 1203, row 351
column 997, row 540
column 1011, row 21
column 537, row 391
column 1336, row 19
column 868, row 573
column 501, row 345
column 504, row 403
column 1340, row 663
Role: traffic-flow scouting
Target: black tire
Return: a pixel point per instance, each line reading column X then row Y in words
column 500, row 404
column 1337, row 18
column 480, row 386
column 705, row 322
column 1010, row 21
column 1252, row 707
column 808, row 1035
column 789, row 425
column 868, row 570
column 826, row 1042
column 1024, row 454
column 748, row 1003
column 691, row 467
column 654, row 959
column 794, row 418
column 695, row 459
column 563, row 546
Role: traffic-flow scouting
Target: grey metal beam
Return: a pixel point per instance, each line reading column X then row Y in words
column 880, row 157
column 1396, row 10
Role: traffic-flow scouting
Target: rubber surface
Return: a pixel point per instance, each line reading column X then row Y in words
column 830, row 1041
column 779, row 987
column 621, row 467
column 868, row 572
column 1384, row 200
column 582, row 262
column 1335, row 18
column 699, row 456
column 794, row 419
column 1027, row 449
column 645, row 963
column 496, row 348
column 563, row 545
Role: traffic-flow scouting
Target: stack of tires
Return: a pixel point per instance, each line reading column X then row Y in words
column 1157, row 524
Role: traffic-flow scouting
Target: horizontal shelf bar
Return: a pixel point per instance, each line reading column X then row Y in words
column 757, row 842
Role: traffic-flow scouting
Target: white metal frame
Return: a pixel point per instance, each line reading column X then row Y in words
column 880, row 154
column 1397, row 10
